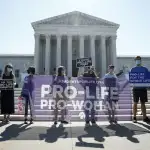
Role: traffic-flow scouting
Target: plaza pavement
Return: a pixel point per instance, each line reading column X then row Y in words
column 41, row 136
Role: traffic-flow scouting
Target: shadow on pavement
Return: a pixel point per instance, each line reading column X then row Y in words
column 92, row 131
column 13, row 131
column 52, row 134
column 123, row 131
column 2, row 124
column 144, row 125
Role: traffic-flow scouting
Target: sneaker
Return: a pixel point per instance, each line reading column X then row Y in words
column 64, row 122
column 134, row 120
column 146, row 120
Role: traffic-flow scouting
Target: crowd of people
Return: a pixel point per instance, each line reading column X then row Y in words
column 7, row 96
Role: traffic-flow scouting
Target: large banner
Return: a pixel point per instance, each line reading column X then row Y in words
column 79, row 96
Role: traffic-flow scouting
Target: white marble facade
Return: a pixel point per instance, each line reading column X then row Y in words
column 61, row 39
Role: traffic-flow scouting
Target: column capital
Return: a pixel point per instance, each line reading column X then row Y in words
column 93, row 37
column 102, row 36
column 81, row 35
column 48, row 36
column 114, row 37
column 36, row 35
column 69, row 36
column 58, row 35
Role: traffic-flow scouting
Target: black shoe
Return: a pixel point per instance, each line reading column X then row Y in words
column 64, row 122
column 55, row 123
column 110, row 121
column 134, row 120
column 25, row 121
column 31, row 121
column 4, row 121
column 7, row 121
column 87, row 123
column 93, row 122
column 114, row 120
column 147, row 120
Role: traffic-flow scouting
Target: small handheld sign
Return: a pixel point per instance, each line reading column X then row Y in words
column 6, row 84
column 83, row 62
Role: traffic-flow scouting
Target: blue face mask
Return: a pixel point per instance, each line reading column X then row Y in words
column 138, row 62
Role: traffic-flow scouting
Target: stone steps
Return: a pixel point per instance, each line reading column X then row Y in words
column 124, row 113
column 73, row 118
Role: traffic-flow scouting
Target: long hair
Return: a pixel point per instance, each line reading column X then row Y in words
column 5, row 69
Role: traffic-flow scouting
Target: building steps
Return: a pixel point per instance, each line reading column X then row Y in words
column 124, row 112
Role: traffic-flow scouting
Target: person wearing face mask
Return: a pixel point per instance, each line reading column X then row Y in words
column 27, row 93
column 90, row 75
column 139, row 92
column 7, row 96
column 59, row 79
column 111, row 100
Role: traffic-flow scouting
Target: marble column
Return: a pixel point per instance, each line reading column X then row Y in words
column 48, row 55
column 92, row 49
column 103, row 56
column 69, row 56
column 81, row 53
column 58, row 51
column 113, row 51
column 37, row 53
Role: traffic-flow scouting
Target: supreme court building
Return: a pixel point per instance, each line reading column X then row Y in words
column 60, row 40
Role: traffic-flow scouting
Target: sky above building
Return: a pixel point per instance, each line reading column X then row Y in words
column 17, row 35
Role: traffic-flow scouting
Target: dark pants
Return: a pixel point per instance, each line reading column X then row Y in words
column 63, row 112
column 27, row 103
column 141, row 94
column 89, row 111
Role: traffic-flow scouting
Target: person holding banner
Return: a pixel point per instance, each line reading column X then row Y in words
column 139, row 92
column 90, row 75
column 7, row 96
column 60, row 99
column 27, row 93
column 111, row 100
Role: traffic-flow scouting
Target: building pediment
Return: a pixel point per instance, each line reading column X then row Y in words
column 76, row 18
